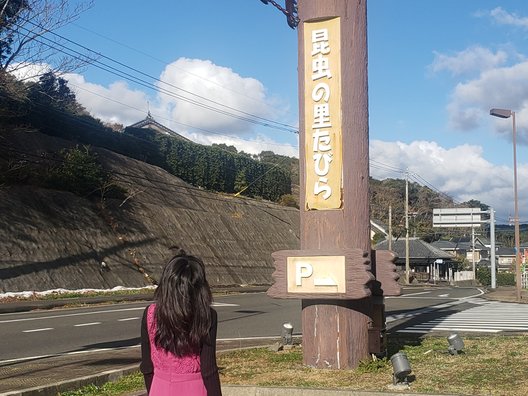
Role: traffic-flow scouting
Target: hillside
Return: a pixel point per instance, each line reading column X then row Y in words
column 54, row 238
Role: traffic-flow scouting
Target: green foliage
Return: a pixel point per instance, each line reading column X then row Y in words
column 8, row 18
column 54, row 92
column 503, row 278
column 484, row 276
column 80, row 173
column 506, row 279
column 372, row 366
column 289, row 200
column 218, row 168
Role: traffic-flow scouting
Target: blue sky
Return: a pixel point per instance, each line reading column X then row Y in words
column 435, row 70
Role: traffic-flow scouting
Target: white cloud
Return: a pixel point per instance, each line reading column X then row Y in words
column 254, row 146
column 472, row 59
column 504, row 17
column 461, row 172
column 116, row 103
column 28, row 71
column 222, row 86
column 505, row 87
column 120, row 103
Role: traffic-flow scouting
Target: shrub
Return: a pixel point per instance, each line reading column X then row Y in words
column 484, row 276
column 80, row 173
column 506, row 279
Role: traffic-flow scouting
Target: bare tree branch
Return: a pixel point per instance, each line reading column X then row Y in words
column 28, row 38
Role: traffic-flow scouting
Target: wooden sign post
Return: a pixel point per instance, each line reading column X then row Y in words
column 340, row 280
column 334, row 134
column 334, row 271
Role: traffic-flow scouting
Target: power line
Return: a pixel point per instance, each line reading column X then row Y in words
column 177, row 122
column 163, row 62
column 80, row 56
column 203, row 193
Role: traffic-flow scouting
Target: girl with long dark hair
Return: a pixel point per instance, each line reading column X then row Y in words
column 178, row 333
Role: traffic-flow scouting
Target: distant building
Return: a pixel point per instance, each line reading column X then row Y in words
column 427, row 263
column 150, row 123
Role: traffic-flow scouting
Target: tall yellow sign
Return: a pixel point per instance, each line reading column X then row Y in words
column 323, row 125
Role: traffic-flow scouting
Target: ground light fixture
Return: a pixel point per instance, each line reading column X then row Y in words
column 401, row 368
column 287, row 334
column 456, row 344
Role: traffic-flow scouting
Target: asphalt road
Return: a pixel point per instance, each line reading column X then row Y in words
column 253, row 315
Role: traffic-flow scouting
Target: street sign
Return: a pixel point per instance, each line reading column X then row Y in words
column 457, row 217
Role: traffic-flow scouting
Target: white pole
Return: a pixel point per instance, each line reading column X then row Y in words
column 492, row 248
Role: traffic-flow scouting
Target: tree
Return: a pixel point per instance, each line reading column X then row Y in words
column 27, row 36
column 54, row 91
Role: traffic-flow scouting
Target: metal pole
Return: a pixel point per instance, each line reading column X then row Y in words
column 390, row 227
column 516, row 214
column 407, row 263
column 473, row 252
column 492, row 248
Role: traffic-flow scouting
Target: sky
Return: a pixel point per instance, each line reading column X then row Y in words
column 435, row 70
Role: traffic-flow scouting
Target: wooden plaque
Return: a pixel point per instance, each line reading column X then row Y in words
column 320, row 271
column 383, row 268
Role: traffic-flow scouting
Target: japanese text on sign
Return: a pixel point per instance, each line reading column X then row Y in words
column 323, row 115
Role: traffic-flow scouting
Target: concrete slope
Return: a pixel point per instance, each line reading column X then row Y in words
column 55, row 239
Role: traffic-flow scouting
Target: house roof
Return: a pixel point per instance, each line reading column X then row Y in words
column 150, row 123
column 444, row 245
column 378, row 227
column 505, row 251
column 418, row 249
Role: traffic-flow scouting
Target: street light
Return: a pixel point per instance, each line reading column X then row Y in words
column 505, row 113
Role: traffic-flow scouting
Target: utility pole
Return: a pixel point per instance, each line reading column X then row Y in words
column 492, row 248
column 407, row 263
column 473, row 253
column 390, row 227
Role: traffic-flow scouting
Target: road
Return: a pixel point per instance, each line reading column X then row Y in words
column 253, row 315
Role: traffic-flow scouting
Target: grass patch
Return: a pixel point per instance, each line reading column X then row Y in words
column 490, row 365
column 126, row 384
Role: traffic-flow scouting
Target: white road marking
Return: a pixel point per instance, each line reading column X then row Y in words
column 127, row 319
column 35, row 330
column 443, row 295
column 87, row 324
column 491, row 317
column 221, row 304
column 64, row 354
column 74, row 314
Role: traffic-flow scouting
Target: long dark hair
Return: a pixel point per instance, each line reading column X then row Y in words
column 183, row 300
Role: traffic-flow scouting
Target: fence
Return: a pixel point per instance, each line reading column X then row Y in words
column 524, row 279
column 463, row 276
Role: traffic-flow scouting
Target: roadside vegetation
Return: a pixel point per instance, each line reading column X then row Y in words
column 490, row 365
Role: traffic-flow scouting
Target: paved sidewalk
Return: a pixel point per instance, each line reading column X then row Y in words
column 48, row 376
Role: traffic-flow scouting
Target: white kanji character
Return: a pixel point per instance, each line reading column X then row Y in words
column 321, row 116
column 320, row 68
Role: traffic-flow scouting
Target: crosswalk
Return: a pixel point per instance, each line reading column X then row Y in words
column 484, row 317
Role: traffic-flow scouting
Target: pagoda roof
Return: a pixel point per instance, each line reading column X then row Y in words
column 150, row 123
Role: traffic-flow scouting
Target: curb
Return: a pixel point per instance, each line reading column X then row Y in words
column 227, row 390
column 240, row 390
column 75, row 384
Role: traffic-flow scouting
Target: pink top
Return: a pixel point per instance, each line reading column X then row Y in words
column 167, row 361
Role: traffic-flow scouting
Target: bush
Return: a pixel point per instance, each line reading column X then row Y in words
column 80, row 173
column 503, row 278
column 289, row 200
column 484, row 276
column 506, row 279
